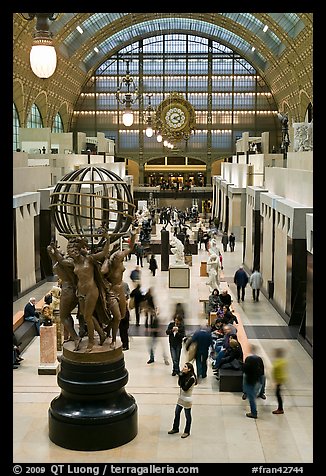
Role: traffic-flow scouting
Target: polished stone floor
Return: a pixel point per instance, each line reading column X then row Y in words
column 220, row 431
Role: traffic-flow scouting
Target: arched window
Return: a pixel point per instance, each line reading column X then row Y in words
column 34, row 119
column 57, row 125
column 15, row 128
column 226, row 91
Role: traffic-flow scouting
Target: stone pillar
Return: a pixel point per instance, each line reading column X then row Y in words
column 48, row 350
column 165, row 250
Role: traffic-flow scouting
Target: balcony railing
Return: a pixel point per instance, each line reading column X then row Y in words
column 195, row 192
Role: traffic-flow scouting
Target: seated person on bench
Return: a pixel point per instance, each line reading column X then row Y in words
column 223, row 343
column 31, row 315
column 232, row 357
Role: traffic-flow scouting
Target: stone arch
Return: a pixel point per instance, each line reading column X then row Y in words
column 18, row 99
column 63, row 111
column 305, row 101
column 42, row 104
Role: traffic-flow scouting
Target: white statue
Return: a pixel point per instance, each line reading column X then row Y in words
column 213, row 249
column 303, row 138
column 177, row 249
column 213, row 269
column 143, row 215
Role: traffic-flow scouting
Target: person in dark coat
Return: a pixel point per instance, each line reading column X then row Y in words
column 233, row 355
column 214, row 301
column 138, row 297
column 225, row 241
column 31, row 315
column 253, row 381
column 139, row 252
column 225, row 298
column 232, row 242
column 135, row 275
column 153, row 264
column 176, row 333
column 150, row 307
column 241, row 280
column 203, row 338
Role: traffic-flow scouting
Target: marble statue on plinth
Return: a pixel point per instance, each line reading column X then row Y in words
column 213, row 269
column 177, row 248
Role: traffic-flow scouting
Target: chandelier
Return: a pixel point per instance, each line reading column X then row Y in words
column 43, row 57
column 149, row 117
column 128, row 97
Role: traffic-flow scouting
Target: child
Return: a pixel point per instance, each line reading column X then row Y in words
column 279, row 376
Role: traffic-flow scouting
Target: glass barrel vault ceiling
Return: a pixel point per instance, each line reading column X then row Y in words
column 95, row 25
column 228, row 96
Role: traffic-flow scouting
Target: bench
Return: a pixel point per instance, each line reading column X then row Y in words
column 25, row 331
column 231, row 380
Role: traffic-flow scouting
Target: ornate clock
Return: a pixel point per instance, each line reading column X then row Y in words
column 175, row 117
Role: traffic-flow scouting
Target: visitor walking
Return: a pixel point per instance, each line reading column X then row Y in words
column 241, row 280
column 255, row 281
column 279, row 373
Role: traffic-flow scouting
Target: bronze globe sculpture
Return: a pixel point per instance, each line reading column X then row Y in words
column 92, row 206
column 88, row 201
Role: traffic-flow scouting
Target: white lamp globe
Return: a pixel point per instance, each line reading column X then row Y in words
column 149, row 132
column 43, row 60
column 127, row 118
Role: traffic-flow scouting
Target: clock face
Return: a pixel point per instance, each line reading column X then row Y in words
column 175, row 118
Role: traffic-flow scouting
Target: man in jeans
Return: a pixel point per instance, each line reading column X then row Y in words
column 176, row 333
column 253, row 381
column 241, row 280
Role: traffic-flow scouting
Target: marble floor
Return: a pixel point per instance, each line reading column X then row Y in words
column 220, row 431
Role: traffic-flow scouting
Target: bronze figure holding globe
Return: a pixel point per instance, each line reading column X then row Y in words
column 92, row 208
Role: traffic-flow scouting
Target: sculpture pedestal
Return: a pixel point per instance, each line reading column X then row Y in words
column 93, row 411
column 48, row 350
column 179, row 276
column 203, row 268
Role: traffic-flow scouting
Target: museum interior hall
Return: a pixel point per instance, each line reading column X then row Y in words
column 177, row 148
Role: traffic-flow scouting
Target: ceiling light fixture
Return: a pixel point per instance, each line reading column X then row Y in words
column 149, row 117
column 130, row 96
column 43, row 57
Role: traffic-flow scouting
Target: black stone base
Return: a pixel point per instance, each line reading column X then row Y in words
column 93, row 411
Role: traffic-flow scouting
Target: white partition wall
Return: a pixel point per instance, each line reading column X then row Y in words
column 280, row 260
column 237, row 211
column 267, row 210
column 253, row 227
column 26, row 207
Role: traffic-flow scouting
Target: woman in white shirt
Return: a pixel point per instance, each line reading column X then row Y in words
column 187, row 381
